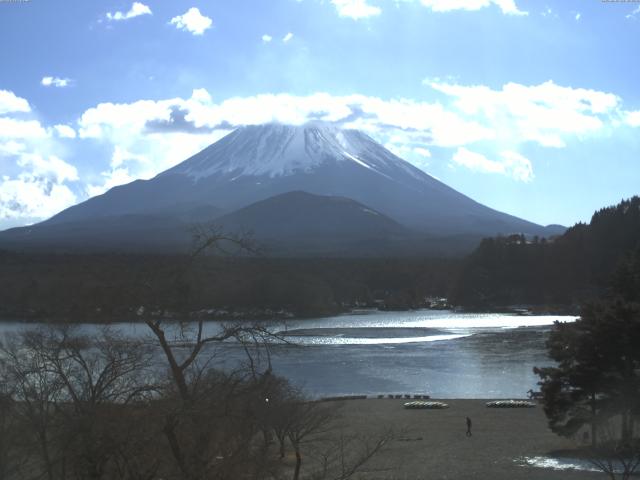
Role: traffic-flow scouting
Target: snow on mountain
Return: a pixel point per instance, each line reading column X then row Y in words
column 275, row 150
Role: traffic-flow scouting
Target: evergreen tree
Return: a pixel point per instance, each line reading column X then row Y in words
column 597, row 376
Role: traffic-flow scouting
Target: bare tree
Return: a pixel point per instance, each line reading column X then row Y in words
column 210, row 416
column 349, row 454
column 100, row 377
column 12, row 454
column 307, row 419
column 71, row 393
column 196, row 420
column 36, row 392
column 315, row 431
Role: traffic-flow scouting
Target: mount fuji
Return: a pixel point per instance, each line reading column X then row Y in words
column 291, row 185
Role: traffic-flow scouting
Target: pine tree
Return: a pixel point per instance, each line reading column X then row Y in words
column 597, row 376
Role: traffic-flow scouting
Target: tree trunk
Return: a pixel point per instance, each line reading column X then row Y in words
column 594, row 430
column 44, row 446
column 266, row 436
column 176, row 372
column 174, row 445
column 624, row 432
column 296, row 473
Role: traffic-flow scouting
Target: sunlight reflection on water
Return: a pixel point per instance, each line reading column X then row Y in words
column 554, row 463
column 339, row 340
column 430, row 319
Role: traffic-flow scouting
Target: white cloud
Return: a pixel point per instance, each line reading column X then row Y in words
column 52, row 168
column 508, row 7
column 423, row 152
column 39, row 191
column 121, row 156
column 150, row 136
column 634, row 12
column 11, row 148
column 139, row 152
column 403, row 148
column 136, row 10
column 55, row 82
column 10, row 102
column 408, row 127
column 517, row 166
column 29, row 197
column 100, row 121
column 64, row 131
column 112, row 178
column 200, row 95
column 21, row 129
column 266, row 38
column 35, row 180
column 511, row 164
column 145, row 155
column 476, row 161
column 578, row 16
column 287, row 37
column 192, row 21
column 355, row 9
column 119, row 172
column 545, row 113
column 633, row 118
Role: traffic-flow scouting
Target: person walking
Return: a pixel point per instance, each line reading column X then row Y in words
column 468, row 427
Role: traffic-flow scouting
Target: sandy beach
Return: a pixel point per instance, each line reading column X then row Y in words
column 432, row 444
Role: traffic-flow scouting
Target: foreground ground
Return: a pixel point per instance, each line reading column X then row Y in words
column 432, row 444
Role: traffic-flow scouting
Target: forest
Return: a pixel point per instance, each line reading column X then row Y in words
column 111, row 287
column 583, row 263
column 555, row 274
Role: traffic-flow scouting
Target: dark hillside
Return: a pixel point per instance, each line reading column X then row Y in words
column 564, row 271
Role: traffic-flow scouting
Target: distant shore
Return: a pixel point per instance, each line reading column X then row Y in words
column 253, row 314
column 432, row 444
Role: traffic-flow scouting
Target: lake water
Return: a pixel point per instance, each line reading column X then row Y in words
column 441, row 353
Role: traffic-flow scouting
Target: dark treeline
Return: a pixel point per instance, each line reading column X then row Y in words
column 552, row 273
column 106, row 287
column 567, row 270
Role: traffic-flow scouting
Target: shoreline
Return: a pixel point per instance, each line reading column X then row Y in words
column 268, row 315
column 405, row 397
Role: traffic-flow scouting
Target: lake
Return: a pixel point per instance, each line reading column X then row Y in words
column 441, row 353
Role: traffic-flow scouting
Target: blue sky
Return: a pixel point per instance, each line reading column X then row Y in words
column 530, row 107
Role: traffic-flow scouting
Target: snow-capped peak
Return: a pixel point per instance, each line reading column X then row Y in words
column 279, row 150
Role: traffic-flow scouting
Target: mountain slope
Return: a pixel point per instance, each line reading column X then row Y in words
column 294, row 223
column 132, row 232
column 301, row 223
column 301, row 214
column 257, row 162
